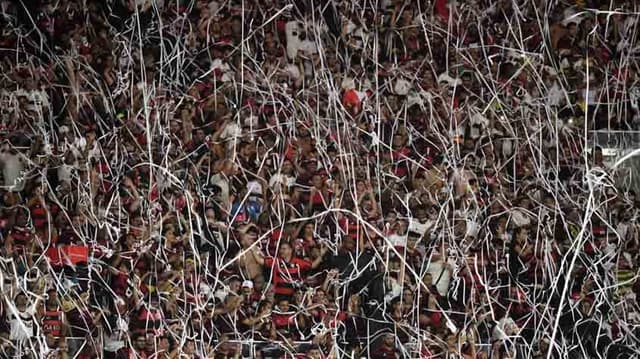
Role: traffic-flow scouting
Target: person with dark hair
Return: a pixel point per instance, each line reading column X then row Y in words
column 53, row 319
column 291, row 178
column 287, row 271
column 23, row 321
column 386, row 349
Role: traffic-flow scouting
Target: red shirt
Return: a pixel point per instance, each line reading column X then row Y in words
column 282, row 320
column 442, row 10
column 385, row 352
column 22, row 238
column 400, row 157
column 285, row 274
column 52, row 322
column 39, row 215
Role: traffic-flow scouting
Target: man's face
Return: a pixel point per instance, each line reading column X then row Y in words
column 21, row 218
column 285, row 251
column 319, row 296
column 427, row 279
column 53, row 298
column 401, row 227
column 287, row 167
column 210, row 215
column 189, row 266
column 150, row 346
column 249, row 150
column 284, row 305
column 408, row 296
column 62, row 345
column 389, row 340
column 140, row 343
column 201, row 4
column 398, row 141
column 466, row 82
column 21, row 301
column 391, row 218
column 308, row 228
column 258, row 283
column 235, row 286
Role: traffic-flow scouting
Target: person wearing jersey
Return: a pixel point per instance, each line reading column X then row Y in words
column 387, row 349
column 116, row 330
column 20, row 236
column 287, row 272
column 284, row 319
column 53, row 320
column 23, row 322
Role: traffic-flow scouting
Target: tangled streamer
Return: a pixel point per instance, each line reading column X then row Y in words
column 322, row 179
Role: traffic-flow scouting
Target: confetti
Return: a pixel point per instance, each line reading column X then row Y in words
column 321, row 179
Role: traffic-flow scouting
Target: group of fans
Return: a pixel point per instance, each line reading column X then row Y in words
column 321, row 179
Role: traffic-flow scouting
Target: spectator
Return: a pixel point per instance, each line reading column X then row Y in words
column 282, row 179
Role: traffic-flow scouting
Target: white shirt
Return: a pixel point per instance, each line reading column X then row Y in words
column 281, row 179
column 222, row 182
column 398, row 240
column 65, row 173
column 520, row 218
column 440, row 275
column 505, row 328
column 23, row 324
column 231, row 132
column 419, row 227
column 308, row 46
column 254, row 188
column 114, row 342
column 12, row 171
column 634, row 96
column 224, row 67
column 293, row 41
column 555, row 95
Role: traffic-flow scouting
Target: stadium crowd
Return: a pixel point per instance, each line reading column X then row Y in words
column 316, row 179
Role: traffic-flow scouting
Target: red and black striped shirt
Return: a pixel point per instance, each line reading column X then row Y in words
column 286, row 274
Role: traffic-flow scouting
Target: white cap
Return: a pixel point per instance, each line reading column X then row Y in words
column 247, row 284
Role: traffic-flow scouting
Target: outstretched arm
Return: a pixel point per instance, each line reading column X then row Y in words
column 257, row 256
column 316, row 263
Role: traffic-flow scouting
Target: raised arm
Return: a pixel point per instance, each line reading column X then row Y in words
column 316, row 262
column 259, row 258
